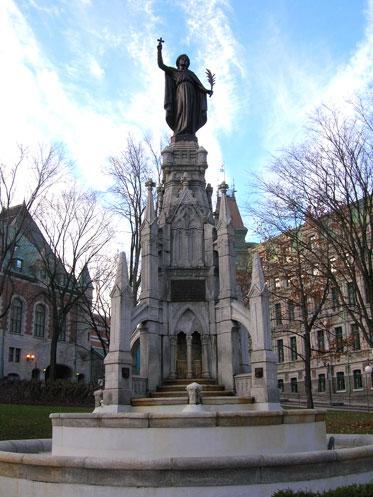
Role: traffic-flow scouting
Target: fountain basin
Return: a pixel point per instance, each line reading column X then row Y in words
column 153, row 435
column 39, row 475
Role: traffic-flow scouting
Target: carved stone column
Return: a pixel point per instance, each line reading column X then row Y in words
column 205, row 357
column 173, row 340
column 189, row 356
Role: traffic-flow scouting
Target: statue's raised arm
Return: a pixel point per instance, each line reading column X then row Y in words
column 161, row 65
column 185, row 98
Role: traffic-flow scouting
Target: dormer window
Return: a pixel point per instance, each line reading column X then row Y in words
column 18, row 265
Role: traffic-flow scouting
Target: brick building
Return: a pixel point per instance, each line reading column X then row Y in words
column 340, row 352
column 26, row 327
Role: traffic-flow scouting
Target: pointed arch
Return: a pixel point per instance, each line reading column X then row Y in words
column 195, row 322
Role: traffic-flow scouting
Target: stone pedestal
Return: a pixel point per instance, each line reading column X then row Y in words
column 118, row 378
column 264, row 378
column 190, row 320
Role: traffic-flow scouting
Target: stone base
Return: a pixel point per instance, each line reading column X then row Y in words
column 145, row 436
column 184, row 138
column 112, row 409
column 195, row 408
column 27, row 470
column 267, row 406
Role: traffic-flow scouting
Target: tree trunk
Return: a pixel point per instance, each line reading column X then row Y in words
column 53, row 353
column 307, row 370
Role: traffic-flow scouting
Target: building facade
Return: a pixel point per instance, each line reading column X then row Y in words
column 339, row 351
column 26, row 326
column 339, row 358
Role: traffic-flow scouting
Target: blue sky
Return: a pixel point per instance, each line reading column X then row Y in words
column 84, row 73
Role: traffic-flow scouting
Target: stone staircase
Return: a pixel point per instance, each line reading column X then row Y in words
column 173, row 392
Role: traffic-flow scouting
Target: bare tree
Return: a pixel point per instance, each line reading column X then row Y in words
column 328, row 182
column 28, row 178
column 320, row 195
column 74, row 233
column 298, row 290
column 129, row 172
column 97, row 307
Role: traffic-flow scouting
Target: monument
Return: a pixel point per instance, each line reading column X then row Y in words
column 201, row 417
column 190, row 322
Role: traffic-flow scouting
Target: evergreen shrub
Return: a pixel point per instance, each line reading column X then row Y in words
column 59, row 392
column 350, row 491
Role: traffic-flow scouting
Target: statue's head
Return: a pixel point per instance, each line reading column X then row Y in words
column 182, row 61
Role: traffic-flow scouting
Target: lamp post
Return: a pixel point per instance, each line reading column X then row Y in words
column 330, row 380
column 368, row 372
column 30, row 357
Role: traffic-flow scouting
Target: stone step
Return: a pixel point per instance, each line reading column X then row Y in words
column 173, row 388
column 182, row 393
column 187, row 381
column 150, row 401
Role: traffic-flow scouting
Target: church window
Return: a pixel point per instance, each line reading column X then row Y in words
column 358, row 380
column 280, row 350
column 278, row 314
column 294, row 385
column 39, row 322
column 16, row 316
column 341, row 384
column 321, row 383
column 293, row 348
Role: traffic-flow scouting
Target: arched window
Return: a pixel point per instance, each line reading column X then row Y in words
column 16, row 316
column 39, row 321
column 135, row 352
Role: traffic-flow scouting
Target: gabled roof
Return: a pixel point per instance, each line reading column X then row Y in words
column 236, row 218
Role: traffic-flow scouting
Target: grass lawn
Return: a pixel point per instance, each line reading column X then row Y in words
column 24, row 421
column 349, row 422
column 19, row 421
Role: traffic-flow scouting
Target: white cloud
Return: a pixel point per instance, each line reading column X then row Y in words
column 297, row 86
column 40, row 106
column 95, row 69
column 36, row 107
column 208, row 27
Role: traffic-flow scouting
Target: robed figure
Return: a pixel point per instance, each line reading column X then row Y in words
column 185, row 98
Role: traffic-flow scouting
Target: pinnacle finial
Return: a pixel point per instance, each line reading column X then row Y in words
column 224, row 212
column 121, row 279
column 150, row 184
column 149, row 214
column 223, row 187
column 257, row 276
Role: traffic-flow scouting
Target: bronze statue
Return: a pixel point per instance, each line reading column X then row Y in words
column 185, row 97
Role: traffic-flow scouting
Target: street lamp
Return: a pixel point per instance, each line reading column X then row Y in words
column 30, row 357
column 368, row 372
column 329, row 374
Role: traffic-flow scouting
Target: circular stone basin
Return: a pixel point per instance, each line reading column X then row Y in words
column 26, row 471
column 145, row 436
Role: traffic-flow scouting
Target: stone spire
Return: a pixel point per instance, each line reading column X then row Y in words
column 85, row 282
column 121, row 278
column 118, row 362
column 257, row 277
column 263, row 360
column 149, row 255
column 259, row 305
column 149, row 214
column 227, row 270
column 224, row 213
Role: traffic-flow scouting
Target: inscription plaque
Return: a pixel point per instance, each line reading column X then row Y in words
column 125, row 373
column 258, row 372
column 188, row 290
